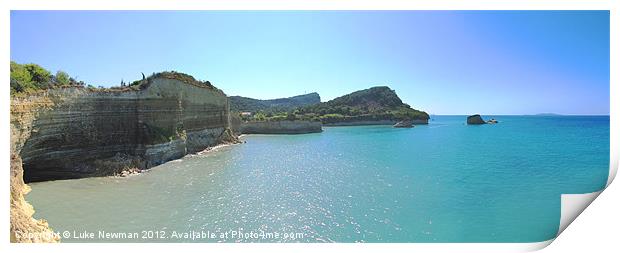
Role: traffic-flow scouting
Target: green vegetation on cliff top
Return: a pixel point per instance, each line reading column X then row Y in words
column 188, row 79
column 373, row 104
column 279, row 105
column 26, row 78
column 376, row 103
column 30, row 78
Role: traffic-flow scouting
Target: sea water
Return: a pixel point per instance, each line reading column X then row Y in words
column 441, row 182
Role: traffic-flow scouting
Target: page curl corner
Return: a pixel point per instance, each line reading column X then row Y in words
column 572, row 205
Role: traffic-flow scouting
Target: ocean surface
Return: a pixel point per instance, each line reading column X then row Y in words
column 442, row 182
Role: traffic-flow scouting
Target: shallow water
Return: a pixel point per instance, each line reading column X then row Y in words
column 443, row 182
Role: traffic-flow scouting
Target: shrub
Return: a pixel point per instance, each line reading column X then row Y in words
column 21, row 80
column 40, row 76
column 290, row 116
column 32, row 77
column 61, row 78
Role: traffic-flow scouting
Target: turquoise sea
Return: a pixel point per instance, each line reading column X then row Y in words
column 442, row 182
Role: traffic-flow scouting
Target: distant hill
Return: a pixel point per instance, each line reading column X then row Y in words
column 547, row 114
column 373, row 104
column 245, row 104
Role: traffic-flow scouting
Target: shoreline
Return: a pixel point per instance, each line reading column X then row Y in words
column 372, row 122
column 214, row 148
column 135, row 171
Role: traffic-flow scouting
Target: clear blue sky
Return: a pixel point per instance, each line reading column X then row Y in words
column 444, row 62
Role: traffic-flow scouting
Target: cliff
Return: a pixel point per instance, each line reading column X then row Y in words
column 281, row 127
column 78, row 132
column 22, row 222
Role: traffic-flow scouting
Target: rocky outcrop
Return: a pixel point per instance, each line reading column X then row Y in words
column 281, row 127
column 23, row 227
column 77, row 132
column 492, row 121
column 404, row 124
column 475, row 120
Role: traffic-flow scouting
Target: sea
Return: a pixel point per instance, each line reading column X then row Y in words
column 441, row 182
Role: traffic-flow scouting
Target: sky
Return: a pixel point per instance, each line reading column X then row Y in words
column 442, row 62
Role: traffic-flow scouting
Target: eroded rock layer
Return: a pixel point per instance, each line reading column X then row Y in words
column 99, row 133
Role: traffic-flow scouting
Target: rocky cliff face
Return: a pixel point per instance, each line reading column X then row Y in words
column 75, row 132
column 23, row 114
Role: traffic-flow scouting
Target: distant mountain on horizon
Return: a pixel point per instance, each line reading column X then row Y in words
column 246, row 104
column 548, row 114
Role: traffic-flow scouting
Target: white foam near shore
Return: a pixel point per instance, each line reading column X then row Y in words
column 214, row 148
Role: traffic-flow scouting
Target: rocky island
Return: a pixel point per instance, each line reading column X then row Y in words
column 477, row 120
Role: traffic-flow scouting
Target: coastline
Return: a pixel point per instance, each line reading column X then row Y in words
column 223, row 178
column 136, row 171
column 64, row 133
column 214, row 148
column 371, row 123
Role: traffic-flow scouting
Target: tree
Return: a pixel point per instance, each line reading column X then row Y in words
column 40, row 76
column 21, row 80
column 290, row 116
column 61, row 77
column 32, row 77
column 259, row 116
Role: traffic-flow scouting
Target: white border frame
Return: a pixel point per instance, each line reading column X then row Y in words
column 573, row 203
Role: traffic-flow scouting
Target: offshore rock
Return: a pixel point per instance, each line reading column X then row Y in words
column 492, row 121
column 475, row 120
